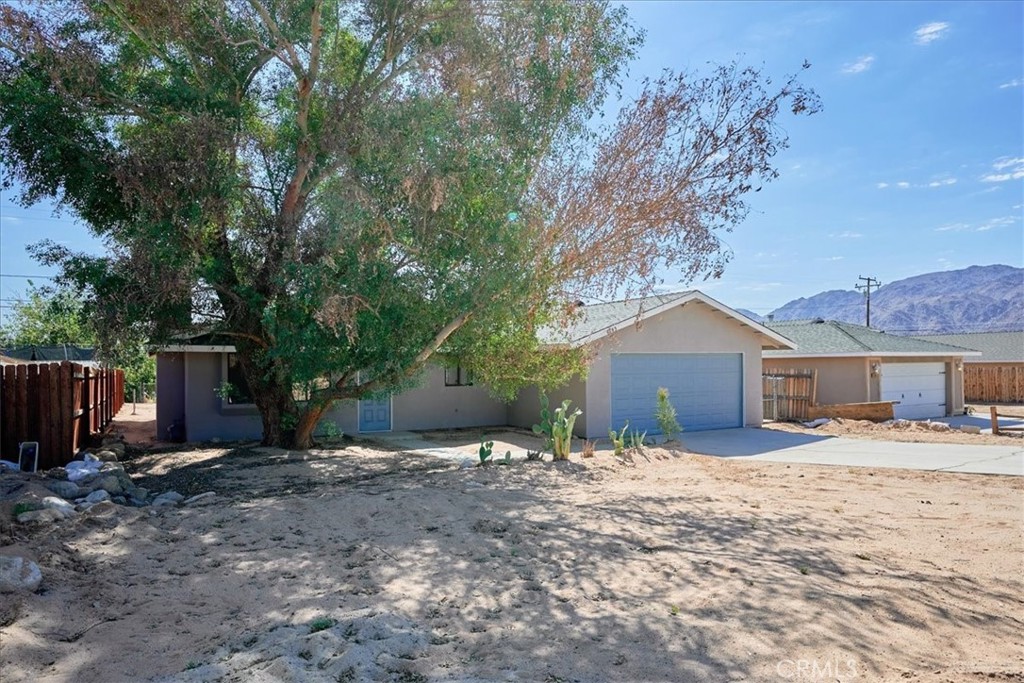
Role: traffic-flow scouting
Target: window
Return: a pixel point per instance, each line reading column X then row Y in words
column 457, row 376
column 237, row 390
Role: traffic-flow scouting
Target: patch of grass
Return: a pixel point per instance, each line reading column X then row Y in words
column 674, row 610
column 193, row 665
column 321, row 624
column 804, row 570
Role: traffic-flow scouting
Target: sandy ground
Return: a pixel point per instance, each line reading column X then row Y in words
column 363, row 564
column 915, row 432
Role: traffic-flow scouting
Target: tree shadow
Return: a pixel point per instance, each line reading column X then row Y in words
column 499, row 573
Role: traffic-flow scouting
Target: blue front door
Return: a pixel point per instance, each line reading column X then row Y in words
column 375, row 416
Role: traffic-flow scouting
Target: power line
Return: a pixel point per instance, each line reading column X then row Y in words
column 29, row 277
column 869, row 282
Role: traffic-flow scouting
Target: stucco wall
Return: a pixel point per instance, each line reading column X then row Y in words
column 525, row 410
column 432, row 405
column 690, row 328
column 205, row 417
column 170, row 391
column 840, row 380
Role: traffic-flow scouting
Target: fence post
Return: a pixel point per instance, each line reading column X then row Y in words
column 9, row 413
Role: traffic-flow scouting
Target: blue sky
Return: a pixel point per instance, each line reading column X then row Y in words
column 916, row 163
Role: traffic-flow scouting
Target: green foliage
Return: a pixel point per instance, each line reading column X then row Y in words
column 619, row 440
column 225, row 391
column 47, row 318
column 507, row 460
column 665, row 414
column 329, row 429
column 22, row 507
column 321, row 624
column 637, row 439
column 486, row 448
column 556, row 429
column 545, row 427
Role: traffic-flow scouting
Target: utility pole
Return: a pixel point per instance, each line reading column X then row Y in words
column 869, row 282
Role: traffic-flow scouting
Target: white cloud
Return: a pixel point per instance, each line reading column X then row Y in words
column 860, row 65
column 943, row 182
column 846, row 235
column 831, row 258
column 10, row 219
column 882, row 186
column 931, row 32
column 1015, row 83
column 953, row 227
column 1012, row 169
column 906, row 185
column 903, row 184
column 994, row 223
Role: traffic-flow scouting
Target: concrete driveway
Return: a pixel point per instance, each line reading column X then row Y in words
column 773, row 446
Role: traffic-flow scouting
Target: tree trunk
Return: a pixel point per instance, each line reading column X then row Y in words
column 308, row 420
column 277, row 409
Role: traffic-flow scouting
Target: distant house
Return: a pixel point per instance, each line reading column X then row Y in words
column 857, row 364
column 48, row 354
column 705, row 353
column 997, row 375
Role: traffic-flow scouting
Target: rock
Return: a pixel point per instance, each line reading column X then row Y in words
column 104, row 509
column 97, row 496
column 938, row 426
column 120, row 500
column 84, row 506
column 19, row 574
column 65, row 489
column 901, row 424
column 970, row 429
column 168, row 498
column 46, row 515
column 200, row 498
column 89, row 457
column 467, row 463
column 139, row 492
column 56, row 473
column 107, row 456
column 111, row 485
column 59, row 504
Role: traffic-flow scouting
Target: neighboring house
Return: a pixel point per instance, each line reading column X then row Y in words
column 48, row 354
column 997, row 375
column 706, row 354
column 856, row 364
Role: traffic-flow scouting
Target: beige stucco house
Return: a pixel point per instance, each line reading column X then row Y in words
column 705, row 353
column 857, row 364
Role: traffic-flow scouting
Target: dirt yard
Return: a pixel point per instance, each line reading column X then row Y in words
column 913, row 431
column 363, row 564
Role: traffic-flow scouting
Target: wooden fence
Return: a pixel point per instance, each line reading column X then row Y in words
column 788, row 393
column 60, row 405
column 991, row 383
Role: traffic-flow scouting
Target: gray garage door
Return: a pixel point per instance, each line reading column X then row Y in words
column 705, row 388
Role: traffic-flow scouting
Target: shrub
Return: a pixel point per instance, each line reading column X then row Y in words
column 588, row 448
column 665, row 414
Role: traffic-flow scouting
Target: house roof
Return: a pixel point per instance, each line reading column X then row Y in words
column 995, row 347
column 49, row 353
column 596, row 321
column 837, row 339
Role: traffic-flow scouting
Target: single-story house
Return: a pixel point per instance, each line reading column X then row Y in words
column 707, row 355
column 857, row 364
column 997, row 375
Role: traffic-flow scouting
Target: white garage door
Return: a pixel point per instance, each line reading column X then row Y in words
column 705, row 388
column 920, row 389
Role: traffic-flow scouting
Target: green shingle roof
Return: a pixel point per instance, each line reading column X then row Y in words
column 995, row 347
column 595, row 318
column 823, row 337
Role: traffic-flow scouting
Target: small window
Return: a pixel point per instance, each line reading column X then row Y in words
column 238, row 392
column 457, row 376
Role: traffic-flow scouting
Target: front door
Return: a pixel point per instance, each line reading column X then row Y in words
column 375, row 416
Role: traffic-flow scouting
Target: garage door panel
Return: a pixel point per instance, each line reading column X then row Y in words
column 706, row 389
column 920, row 389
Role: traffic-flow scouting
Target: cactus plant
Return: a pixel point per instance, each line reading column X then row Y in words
column 619, row 440
column 557, row 429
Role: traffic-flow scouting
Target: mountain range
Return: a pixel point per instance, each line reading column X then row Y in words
column 974, row 299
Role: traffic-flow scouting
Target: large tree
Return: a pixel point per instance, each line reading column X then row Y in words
column 347, row 189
